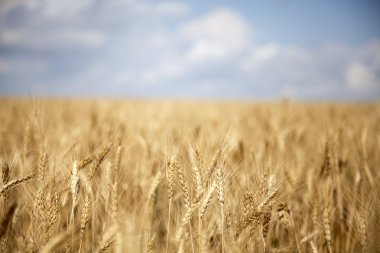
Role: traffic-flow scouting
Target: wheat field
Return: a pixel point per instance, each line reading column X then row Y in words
column 160, row 176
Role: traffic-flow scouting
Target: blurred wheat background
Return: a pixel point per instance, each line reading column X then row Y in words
column 102, row 176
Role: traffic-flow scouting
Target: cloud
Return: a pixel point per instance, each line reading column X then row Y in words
column 218, row 34
column 46, row 9
column 55, row 24
column 362, row 74
column 326, row 71
column 266, row 52
column 359, row 76
column 171, row 8
column 72, row 8
column 148, row 9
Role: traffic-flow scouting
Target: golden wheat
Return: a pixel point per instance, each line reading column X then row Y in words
column 189, row 176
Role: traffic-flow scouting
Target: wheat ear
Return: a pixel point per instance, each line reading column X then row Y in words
column 14, row 183
column 219, row 177
column 170, row 190
column 327, row 230
column 5, row 178
column 151, row 244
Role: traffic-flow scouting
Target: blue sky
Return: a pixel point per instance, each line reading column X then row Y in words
column 311, row 50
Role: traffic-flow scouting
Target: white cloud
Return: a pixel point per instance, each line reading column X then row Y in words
column 53, row 24
column 363, row 71
column 151, row 9
column 51, row 9
column 218, row 34
column 58, row 9
column 266, row 52
column 259, row 55
column 172, row 8
column 203, row 51
column 359, row 76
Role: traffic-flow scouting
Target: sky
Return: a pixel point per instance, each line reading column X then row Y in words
column 307, row 50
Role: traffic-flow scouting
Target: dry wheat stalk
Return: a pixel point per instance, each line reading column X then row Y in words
column 5, row 179
column 181, row 247
column 116, row 163
column 14, row 183
column 170, row 177
column 106, row 246
column 42, row 167
column 362, row 232
column 98, row 159
column 84, row 162
column 56, row 242
column 198, row 184
column 326, row 167
column 183, row 184
column 27, row 143
column 186, row 220
column 326, row 227
column 39, row 204
column 264, row 182
column 108, row 181
column 85, row 217
column 114, row 201
column 108, row 239
column 267, row 201
column 266, row 221
column 6, row 220
column 199, row 157
column 213, row 165
column 5, row 172
column 220, row 179
column 53, row 212
column 74, row 183
column 170, row 191
column 207, row 200
column 313, row 247
column 151, row 244
column 153, row 187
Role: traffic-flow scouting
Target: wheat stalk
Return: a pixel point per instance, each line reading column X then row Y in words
column 6, row 220
column 6, row 187
column 85, row 218
column 170, row 191
column 42, row 167
column 74, row 184
column 207, row 200
column 183, row 184
column 5, row 178
column 151, row 244
column 99, row 159
column 220, row 183
column 327, row 230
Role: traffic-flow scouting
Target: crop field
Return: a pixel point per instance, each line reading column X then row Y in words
column 176, row 176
